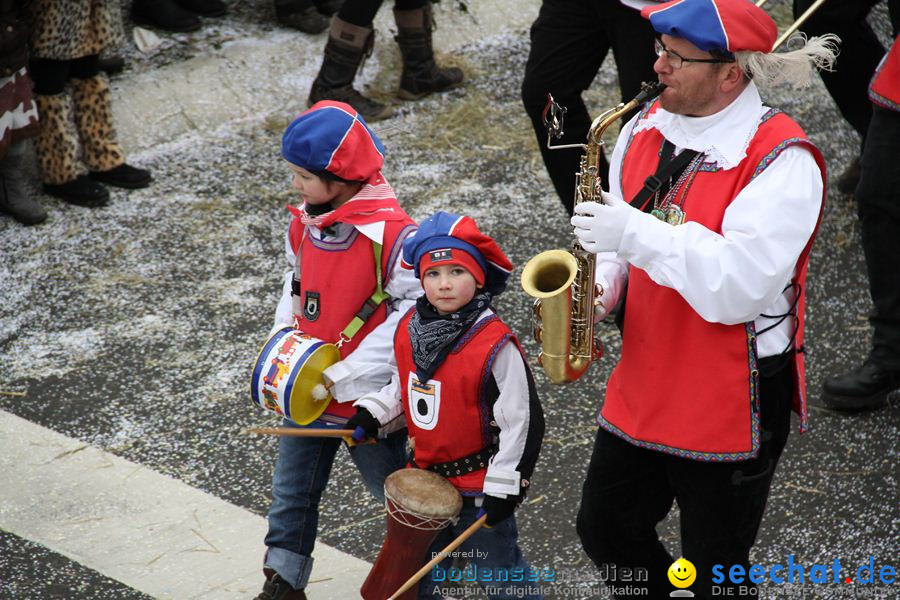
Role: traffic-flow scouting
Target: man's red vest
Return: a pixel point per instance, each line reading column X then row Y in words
column 885, row 87
column 336, row 278
column 448, row 416
column 683, row 385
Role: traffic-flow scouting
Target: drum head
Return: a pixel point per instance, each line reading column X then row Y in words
column 304, row 408
column 423, row 493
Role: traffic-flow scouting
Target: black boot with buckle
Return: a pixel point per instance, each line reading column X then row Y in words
column 421, row 75
column 348, row 46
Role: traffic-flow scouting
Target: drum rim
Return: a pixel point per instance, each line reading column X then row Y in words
column 317, row 348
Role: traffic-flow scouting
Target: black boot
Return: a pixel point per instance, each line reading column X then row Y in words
column 306, row 19
column 866, row 387
column 204, row 8
column 111, row 65
column 81, row 191
column 421, row 75
column 848, row 180
column 14, row 200
column 348, row 45
column 164, row 14
column 124, row 176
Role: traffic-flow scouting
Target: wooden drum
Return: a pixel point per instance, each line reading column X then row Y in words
column 419, row 503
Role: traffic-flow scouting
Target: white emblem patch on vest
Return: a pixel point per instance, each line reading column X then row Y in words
column 311, row 306
column 424, row 402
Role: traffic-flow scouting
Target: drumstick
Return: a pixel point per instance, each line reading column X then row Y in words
column 441, row 556
column 297, row 432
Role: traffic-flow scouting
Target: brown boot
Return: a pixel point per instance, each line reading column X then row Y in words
column 276, row 588
column 421, row 75
column 348, row 46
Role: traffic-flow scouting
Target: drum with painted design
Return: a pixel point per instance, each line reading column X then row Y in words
column 288, row 370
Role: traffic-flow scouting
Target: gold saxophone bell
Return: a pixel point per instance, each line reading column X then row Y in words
column 562, row 281
column 548, row 277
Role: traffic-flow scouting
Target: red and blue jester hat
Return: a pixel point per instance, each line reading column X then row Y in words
column 333, row 141
column 448, row 239
column 725, row 25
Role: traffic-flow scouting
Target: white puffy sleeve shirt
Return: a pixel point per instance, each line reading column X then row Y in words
column 740, row 274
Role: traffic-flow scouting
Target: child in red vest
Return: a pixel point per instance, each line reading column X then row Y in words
column 467, row 394
column 346, row 286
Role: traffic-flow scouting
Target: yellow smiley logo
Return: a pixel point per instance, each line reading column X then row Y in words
column 682, row 573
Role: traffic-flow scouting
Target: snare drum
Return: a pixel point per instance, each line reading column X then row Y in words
column 287, row 369
column 419, row 503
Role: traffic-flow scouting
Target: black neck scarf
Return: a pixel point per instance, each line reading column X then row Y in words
column 433, row 335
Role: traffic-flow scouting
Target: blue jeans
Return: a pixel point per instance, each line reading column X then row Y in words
column 301, row 474
column 490, row 550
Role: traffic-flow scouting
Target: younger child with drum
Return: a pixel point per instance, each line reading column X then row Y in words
column 467, row 393
column 345, row 241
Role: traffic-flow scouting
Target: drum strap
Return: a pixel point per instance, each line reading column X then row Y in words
column 370, row 305
column 461, row 466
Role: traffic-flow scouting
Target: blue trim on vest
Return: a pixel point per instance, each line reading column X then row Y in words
column 264, row 353
column 396, row 249
column 486, row 437
column 883, row 102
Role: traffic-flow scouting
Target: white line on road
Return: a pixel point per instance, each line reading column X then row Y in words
column 151, row 532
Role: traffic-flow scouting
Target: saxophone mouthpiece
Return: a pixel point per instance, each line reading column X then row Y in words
column 648, row 91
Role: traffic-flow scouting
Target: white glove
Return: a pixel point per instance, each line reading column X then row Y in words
column 599, row 227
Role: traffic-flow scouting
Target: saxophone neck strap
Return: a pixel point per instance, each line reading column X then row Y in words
column 668, row 167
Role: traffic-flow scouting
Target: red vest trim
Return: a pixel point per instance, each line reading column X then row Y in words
column 452, row 418
column 663, row 393
column 335, row 279
column 884, row 90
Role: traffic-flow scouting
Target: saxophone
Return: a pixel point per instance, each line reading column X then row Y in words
column 562, row 281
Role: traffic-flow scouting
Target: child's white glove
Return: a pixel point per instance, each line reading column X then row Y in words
column 599, row 227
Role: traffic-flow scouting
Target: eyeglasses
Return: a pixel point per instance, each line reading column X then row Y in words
column 676, row 61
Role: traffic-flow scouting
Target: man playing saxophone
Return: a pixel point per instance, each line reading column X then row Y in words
column 714, row 203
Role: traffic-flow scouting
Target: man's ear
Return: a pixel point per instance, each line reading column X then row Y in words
column 731, row 77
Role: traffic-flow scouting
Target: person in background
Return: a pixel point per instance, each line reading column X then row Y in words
column 878, row 203
column 861, row 51
column 351, row 40
column 18, row 118
column 570, row 39
column 65, row 40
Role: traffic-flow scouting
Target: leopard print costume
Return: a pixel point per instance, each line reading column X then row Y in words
column 56, row 145
column 94, row 121
column 70, row 29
